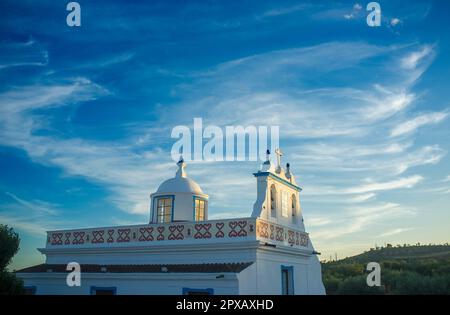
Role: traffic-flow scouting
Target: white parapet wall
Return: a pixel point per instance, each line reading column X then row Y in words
column 213, row 231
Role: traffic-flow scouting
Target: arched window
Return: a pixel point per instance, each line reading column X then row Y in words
column 273, row 200
column 164, row 209
column 294, row 205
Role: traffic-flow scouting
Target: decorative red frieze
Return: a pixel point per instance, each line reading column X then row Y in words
column 110, row 236
column 237, row 229
column 145, row 234
column 304, row 240
column 202, row 230
column 57, row 238
column 67, row 241
column 220, row 233
column 262, row 228
column 279, row 234
column 176, row 232
column 124, row 235
column 220, row 229
column 271, row 232
column 160, row 235
column 78, row 238
column 291, row 237
column 97, row 236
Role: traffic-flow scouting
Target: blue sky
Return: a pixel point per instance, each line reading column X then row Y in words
column 86, row 113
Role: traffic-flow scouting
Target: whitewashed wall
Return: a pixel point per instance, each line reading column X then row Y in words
column 134, row 283
column 264, row 276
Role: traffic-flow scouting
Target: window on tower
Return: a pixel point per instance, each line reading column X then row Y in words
column 294, row 205
column 199, row 209
column 164, row 209
column 284, row 204
column 273, row 201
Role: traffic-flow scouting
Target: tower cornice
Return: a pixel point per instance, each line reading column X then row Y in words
column 274, row 176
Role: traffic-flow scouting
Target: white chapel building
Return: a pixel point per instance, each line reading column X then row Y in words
column 180, row 251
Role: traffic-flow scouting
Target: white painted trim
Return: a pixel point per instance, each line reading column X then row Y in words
column 230, row 276
column 285, row 250
column 204, row 245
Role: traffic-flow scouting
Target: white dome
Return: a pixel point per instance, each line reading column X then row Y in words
column 179, row 185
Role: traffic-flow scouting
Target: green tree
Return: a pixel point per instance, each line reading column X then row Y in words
column 10, row 284
column 357, row 286
column 405, row 270
column 9, row 245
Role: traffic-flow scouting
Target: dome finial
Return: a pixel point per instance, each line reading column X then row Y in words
column 181, row 165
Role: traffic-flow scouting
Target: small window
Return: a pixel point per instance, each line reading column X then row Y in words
column 103, row 291
column 164, row 209
column 189, row 291
column 287, row 280
column 199, row 211
column 273, row 200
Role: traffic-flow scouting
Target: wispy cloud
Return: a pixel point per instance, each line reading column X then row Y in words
column 395, row 232
column 395, row 21
column 326, row 128
column 37, row 206
column 356, row 220
column 113, row 165
column 417, row 122
column 355, row 150
column 21, row 54
column 317, row 221
column 362, row 198
column 108, row 163
column 412, row 60
column 377, row 159
column 24, row 224
column 357, row 6
column 390, row 105
column 406, row 182
column 31, row 216
column 283, row 10
column 423, row 156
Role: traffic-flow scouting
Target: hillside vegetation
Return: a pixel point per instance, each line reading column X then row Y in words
column 406, row 269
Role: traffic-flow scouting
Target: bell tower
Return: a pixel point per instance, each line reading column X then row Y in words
column 278, row 195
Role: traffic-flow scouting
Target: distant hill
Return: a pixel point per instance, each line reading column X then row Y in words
column 406, row 269
column 400, row 252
